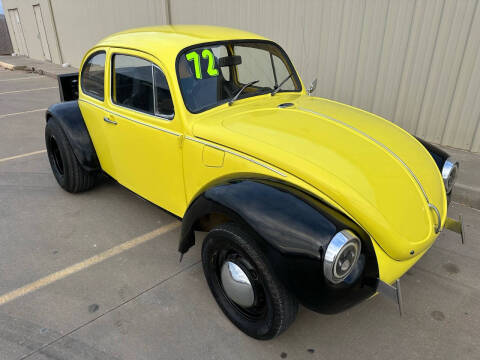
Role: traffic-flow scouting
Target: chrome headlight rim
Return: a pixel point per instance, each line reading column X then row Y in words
column 342, row 241
column 449, row 173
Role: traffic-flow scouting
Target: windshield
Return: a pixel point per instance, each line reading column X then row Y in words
column 213, row 74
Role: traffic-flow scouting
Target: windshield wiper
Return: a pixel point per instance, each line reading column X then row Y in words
column 240, row 91
column 277, row 89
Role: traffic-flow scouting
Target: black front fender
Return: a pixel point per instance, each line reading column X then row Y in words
column 71, row 120
column 293, row 229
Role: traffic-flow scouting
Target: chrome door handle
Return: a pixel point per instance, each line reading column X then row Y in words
column 106, row 119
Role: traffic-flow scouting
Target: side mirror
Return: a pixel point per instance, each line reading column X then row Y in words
column 312, row 87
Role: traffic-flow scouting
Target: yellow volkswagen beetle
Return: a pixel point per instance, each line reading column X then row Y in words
column 305, row 200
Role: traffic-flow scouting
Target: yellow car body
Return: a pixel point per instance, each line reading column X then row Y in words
column 304, row 145
column 390, row 185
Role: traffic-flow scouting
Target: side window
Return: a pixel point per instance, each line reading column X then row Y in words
column 132, row 83
column 93, row 73
column 163, row 99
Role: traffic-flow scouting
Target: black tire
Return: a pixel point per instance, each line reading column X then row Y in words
column 67, row 170
column 274, row 309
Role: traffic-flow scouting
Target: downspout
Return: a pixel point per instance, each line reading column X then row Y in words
column 55, row 31
column 168, row 14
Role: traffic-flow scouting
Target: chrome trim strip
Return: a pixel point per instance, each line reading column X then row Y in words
column 236, row 154
column 437, row 229
column 439, row 225
column 130, row 119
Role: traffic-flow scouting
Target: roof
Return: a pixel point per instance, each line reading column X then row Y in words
column 165, row 42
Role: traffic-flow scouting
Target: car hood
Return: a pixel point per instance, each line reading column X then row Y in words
column 367, row 165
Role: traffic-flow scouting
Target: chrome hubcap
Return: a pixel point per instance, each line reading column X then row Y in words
column 236, row 284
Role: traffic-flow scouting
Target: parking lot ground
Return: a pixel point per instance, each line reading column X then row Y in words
column 96, row 276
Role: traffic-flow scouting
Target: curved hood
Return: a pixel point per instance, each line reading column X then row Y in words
column 361, row 161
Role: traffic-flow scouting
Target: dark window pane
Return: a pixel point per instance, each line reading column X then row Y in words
column 162, row 94
column 132, row 83
column 93, row 73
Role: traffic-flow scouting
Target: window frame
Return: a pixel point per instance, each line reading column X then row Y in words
column 155, row 113
column 295, row 77
column 88, row 93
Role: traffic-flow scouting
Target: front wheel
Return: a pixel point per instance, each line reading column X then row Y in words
column 244, row 285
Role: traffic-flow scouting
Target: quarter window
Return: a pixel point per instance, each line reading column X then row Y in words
column 93, row 74
column 163, row 99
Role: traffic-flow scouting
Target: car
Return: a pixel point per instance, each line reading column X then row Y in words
column 304, row 200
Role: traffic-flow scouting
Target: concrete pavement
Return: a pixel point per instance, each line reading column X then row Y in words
column 142, row 304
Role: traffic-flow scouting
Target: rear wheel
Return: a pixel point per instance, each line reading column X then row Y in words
column 67, row 170
column 244, row 285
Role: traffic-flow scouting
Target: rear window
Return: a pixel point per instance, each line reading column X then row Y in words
column 93, row 74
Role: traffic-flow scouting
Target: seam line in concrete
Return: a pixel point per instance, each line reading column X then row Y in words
column 22, row 155
column 82, row 265
column 20, row 91
column 40, row 349
column 21, row 78
column 21, row 112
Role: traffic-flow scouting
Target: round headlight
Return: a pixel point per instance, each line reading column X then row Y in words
column 449, row 174
column 341, row 256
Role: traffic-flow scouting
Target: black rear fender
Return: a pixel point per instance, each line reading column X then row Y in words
column 71, row 120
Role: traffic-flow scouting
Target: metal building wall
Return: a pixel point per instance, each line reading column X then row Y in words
column 29, row 28
column 5, row 42
column 414, row 62
column 81, row 24
column 72, row 26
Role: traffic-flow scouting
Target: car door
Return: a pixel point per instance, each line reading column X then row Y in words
column 92, row 103
column 144, row 134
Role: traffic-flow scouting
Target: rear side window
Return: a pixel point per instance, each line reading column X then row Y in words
column 93, row 74
column 139, row 85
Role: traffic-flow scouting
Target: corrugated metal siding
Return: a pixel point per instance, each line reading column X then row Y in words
column 5, row 43
column 81, row 24
column 414, row 62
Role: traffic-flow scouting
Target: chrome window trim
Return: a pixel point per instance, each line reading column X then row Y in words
column 155, row 110
column 162, row 116
column 236, row 154
column 437, row 228
column 130, row 119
